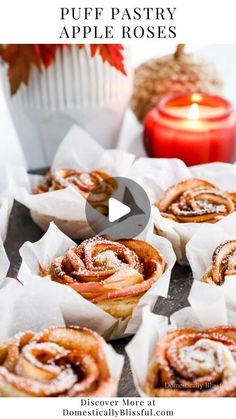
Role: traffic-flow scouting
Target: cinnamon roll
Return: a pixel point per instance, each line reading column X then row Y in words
column 112, row 274
column 56, row 362
column 96, row 186
column 223, row 263
column 192, row 363
column 196, row 201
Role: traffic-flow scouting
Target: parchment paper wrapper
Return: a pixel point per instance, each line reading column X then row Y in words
column 77, row 310
column 32, row 308
column 6, row 199
column 200, row 248
column 156, row 175
column 66, row 207
column 208, row 308
column 4, row 262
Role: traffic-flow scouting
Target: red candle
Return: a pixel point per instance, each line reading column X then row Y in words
column 196, row 128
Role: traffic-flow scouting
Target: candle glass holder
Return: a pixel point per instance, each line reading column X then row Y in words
column 196, row 128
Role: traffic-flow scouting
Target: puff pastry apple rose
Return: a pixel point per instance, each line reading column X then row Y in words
column 97, row 186
column 57, row 362
column 191, row 363
column 196, row 201
column 223, row 263
column 112, row 274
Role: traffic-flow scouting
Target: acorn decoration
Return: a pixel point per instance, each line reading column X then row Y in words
column 178, row 73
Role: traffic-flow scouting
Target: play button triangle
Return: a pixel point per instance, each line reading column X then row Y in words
column 117, row 210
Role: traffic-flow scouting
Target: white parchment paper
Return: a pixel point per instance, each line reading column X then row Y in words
column 77, row 310
column 208, row 308
column 156, row 175
column 6, row 199
column 77, row 151
column 4, row 262
column 32, row 308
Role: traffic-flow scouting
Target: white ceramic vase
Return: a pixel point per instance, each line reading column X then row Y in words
column 74, row 89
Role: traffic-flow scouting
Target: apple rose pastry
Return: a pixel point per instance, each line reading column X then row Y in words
column 56, row 362
column 112, row 274
column 191, row 363
column 223, row 263
column 96, row 186
column 196, row 201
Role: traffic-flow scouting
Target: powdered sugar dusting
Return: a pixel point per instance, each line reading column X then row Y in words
column 206, row 355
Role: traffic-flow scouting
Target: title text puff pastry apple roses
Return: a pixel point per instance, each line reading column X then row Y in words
column 191, row 363
column 196, row 201
column 56, row 362
column 112, row 274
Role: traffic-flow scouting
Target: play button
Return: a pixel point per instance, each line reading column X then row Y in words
column 118, row 208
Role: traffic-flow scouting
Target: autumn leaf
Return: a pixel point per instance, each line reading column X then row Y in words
column 47, row 53
column 111, row 53
column 22, row 57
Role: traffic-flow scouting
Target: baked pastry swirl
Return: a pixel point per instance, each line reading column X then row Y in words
column 96, row 186
column 192, row 363
column 112, row 274
column 196, row 201
column 223, row 263
column 56, row 362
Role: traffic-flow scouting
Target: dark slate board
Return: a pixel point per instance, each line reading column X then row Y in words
column 22, row 228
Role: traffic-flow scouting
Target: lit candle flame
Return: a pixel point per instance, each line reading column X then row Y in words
column 196, row 98
column 193, row 112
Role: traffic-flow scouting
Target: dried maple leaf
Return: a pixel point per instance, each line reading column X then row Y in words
column 47, row 53
column 111, row 53
column 20, row 58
